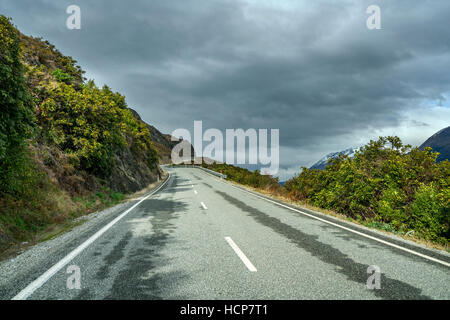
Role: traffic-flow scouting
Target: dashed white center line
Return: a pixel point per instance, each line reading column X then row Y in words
column 203, row 205
column 195, row 191
column 241, row 255
column 342, row 227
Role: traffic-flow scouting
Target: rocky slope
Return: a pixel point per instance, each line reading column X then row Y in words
column 162, row 142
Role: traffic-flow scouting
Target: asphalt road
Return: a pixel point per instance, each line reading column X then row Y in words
column 199, row 237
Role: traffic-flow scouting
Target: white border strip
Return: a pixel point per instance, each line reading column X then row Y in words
column 36, row 284
column 241, row 255
column 345, row 228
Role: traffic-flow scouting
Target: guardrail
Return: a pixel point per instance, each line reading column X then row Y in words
column 223, row 176
column 220, row 175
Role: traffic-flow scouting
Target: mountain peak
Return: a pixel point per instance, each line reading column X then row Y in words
column 322, row 163
column 439, row 142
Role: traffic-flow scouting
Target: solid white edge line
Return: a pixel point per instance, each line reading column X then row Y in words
column 203, row 205
column 241, row 255
column 345, row 228
column 36, row 284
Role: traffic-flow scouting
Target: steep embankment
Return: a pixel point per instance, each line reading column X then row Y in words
column 162, row 142
column 67, row 147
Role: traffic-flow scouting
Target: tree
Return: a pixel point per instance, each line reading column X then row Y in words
column 16, row 113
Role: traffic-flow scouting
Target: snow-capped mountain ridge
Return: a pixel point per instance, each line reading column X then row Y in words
column 322, row 163
column 440, row 142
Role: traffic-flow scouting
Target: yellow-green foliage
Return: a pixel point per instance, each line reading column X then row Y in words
column 385, row 182
column 61, row 76
column 91, row 124
column 44, row 101
column 40, row 53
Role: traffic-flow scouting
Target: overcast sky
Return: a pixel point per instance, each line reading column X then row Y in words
column 310, row 68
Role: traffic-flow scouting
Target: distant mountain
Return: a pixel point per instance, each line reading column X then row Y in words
column 322, row 163
column 440, row 142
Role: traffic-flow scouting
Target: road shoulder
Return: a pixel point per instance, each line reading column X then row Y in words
column 21, row 269
column 384, row 236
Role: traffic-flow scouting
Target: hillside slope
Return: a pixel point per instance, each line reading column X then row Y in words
column 439, row 142
column 162, row 142
column 67, row 147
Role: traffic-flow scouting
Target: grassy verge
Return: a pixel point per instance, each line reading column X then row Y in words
column 45, row 213
column 50, row 212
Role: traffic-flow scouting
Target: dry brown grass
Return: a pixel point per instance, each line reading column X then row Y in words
column 150, row 187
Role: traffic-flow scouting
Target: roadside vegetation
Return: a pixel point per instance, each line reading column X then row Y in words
column 60, row 137
column 387, row 185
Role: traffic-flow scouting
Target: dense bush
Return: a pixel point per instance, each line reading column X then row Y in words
column 61, row 76
column 16, row 113
column 87, row 123
column 385, row 182
column 91, row 124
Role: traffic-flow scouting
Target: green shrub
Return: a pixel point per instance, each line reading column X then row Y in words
column 17, row 121
column 62, row 76
column 91, row 124
column 116, row 196
column 380, row 225
column 427, row 212
column 390, row 207
column 386, row 182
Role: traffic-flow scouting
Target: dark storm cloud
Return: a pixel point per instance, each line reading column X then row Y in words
column 310, row 68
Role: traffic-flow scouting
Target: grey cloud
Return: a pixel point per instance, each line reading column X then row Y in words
column 313, row 70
